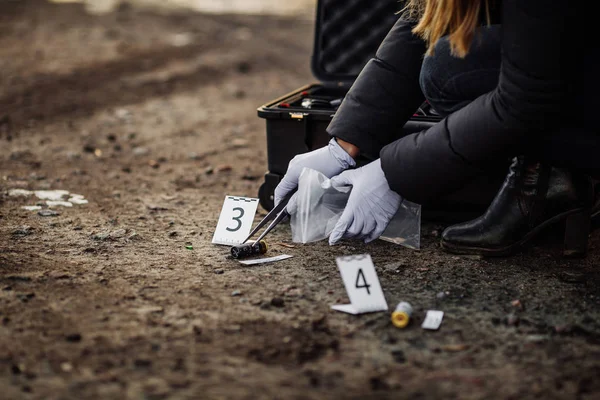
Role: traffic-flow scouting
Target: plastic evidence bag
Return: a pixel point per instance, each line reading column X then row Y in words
column 320, row 206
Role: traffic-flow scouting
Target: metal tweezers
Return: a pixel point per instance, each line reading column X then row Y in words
column 277, row 214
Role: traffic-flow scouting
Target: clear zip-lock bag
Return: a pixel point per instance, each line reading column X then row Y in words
column 319, row 206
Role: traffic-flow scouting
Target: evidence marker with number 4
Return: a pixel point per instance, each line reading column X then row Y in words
column 401, row 315
column 249, row 249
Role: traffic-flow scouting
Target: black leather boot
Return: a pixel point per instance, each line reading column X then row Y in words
column 533, row 197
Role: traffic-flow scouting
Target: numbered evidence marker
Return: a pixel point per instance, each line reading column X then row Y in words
column 362, row 285
column 235, row 221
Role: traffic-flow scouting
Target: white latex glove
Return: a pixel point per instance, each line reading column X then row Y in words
column 329, row 160
column 371, row 206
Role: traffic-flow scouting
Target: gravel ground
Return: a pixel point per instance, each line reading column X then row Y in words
column 152, row 119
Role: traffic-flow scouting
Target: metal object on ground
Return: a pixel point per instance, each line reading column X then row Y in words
column 277, row 214
column 249, row 249
column 401, row 316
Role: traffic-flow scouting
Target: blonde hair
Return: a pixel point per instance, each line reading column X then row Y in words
column 456, row 18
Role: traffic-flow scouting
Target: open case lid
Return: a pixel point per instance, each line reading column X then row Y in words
column 347, row 35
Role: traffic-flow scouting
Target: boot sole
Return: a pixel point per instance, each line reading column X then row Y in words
column 513, row 248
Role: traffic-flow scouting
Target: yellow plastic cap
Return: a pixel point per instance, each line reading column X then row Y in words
column 400, row 319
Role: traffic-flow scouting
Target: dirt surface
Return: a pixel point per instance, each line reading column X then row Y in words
column 153, row 119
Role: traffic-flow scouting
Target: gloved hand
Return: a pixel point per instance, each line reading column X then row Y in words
column 329, row 160
column 371, row 206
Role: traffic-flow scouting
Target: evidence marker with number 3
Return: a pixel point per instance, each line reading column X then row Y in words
column 235, row 220
column 249, row 249
column 401, row 315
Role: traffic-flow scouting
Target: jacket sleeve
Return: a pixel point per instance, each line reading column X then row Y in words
column 527, row 100
column 385, row 94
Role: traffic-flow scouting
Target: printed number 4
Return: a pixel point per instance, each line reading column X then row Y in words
column 237, row 219
column 364, row 281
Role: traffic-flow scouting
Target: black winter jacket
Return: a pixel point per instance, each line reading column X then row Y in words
column 541, row 47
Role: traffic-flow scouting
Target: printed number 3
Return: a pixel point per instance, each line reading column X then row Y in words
column 237, row 219
column 364, row 284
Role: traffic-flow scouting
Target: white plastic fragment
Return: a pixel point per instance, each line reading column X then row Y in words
column 77, row 199
column 266, row 260
column 32, row 208
column 433, row 320
column 54, row 195
column 19, row 192
column 53, row 203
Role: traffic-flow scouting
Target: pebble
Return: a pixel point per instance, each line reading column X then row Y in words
column 73, row 337
column 517, row 304
column 66, row 367
column 455, row 347
column 119, row 233
column 536, row 338
column 398, row 356
column 218, row 271
column 101, row 236
column 48, row 213
column 24, row 230
column 224, row 168
column 565, row 328
column 512, row 320
column 140, row 151
column 277, row 302
column 134, row 236
column 239, row 142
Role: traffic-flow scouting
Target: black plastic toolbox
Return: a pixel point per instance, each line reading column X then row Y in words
column 347, row 35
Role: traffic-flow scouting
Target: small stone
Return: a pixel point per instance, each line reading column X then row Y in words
column 134, row 236
column 73, row 155
column 398, row 356
column 218, row 271
column 517, row 304
column 236, row 293
column 455, row 347
column 209, row 170
column 140, row 151
column 26, row 297
column 564, row 328
column 441, row 295
column 277, row 302
column 173, row 234
column 66, row 367
column 98, row 153
column 224, row 168
column 536, row 338
column 101, row 236
column 24, row 230
column 154, row 164
column 512, row 320
column 142, row 363
column 122, row 114
column 239, row 142
column 244, row 67
column 73, row 337
column 119, row 233
column 48, row 213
